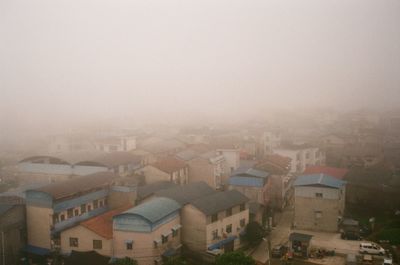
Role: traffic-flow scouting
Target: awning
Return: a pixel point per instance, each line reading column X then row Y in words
column 128, row 241
column 176, row 227
column 165, row 234
column 222, row 242
column 157, row 241
column 36, row 250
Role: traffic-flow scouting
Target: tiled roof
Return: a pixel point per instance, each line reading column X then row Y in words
column 318, row 180
column 103, row 224
column 169, row 165
column 187, row 193
column 69, row 188
column 154, row 210
column 275, row 164
column 336, row 172
column 219, row 201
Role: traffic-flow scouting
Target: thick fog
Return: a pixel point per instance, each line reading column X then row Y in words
column 67, row 61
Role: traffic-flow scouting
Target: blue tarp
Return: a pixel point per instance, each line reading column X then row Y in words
column 239, row 180
column 222, row 243
column 37, row 250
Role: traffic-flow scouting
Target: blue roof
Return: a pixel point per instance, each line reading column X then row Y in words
column 155, row 209
column 222, row 243
column 36, row 250
column 319, row 180
column 251, row 172
column 243, row 180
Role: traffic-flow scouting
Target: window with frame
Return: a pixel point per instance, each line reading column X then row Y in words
column 175, row 232
column 62, row 217
column 89, row 208
column 242, row 207
column 97, row 244
column 318, row 214
column 215, row 234
column 129, row 245
column 228, row 212
column 70, row 213
column 76, row 212
column 318, row 195
column 164, row 239
column 101, row 203
column 83, row 208
column 73, row 242
column 228, row 228
column 242, row 222
column 214, row 218
column 95, row 204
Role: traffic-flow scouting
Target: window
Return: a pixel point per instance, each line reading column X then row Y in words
column 228, row 229
column 318, row 195
column 129, row 245
column 89, row 208
column 215, row 234
column 101, row 203
column 97, row 244
column 55, row 218
column 95, row 204
column 228, row 212
column 242, row 222
column 62, row 217
column 214, row 218
column 164, row 239
column 242, row 207
column 73, row 242
column 318, row 214
column 76, row 212
column 83, row 208
column 175, row 232
column 70, row 213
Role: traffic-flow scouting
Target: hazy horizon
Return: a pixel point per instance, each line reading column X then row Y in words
column 100, row 60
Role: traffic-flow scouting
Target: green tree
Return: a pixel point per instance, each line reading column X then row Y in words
column 234, row 258
column 126, row 261
column 175, row 261
column 254, row 233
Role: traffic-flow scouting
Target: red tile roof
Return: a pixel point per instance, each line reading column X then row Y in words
column 103, row 224
column 274, row 164
column 169, row 165
column 336, row 172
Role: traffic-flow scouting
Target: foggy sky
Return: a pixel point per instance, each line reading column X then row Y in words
column 96, row 58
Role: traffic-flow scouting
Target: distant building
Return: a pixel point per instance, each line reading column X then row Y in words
column 301, row 156
column 232, row 158
column 319, row 202
column 336, row 172
column 115, row 144
column 12, row 232
column 168, row 169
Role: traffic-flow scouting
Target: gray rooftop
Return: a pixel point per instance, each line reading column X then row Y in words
column 187, row 193
column 155, row 209
column 219, row 201
column 150, row 189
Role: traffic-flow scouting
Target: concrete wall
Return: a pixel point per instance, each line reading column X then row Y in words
column 39, row 220
column 202, row 170
column 319, row 214
column 144, row 249
column 194, row 228
column 85, row 241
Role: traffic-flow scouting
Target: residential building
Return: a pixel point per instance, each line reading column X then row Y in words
column 232, row 158
column 12, row 232
column 167, row 169
column 319, row 202
column 208, row 167
column 94, row 234
column 115, row 144
column 148, row 232
column 301, row 156
column 252, row 183
column 58, row 206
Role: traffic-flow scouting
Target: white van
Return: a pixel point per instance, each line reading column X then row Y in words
column 371, row 248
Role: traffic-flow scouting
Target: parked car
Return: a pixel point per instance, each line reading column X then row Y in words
column 278, row 251
column 371, row 248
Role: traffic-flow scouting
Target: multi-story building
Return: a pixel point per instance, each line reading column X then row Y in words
column 167, row 169
column 319, row 202
column 302, row 156
column 148, row 232
column 54, row 208
column 115, row 144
